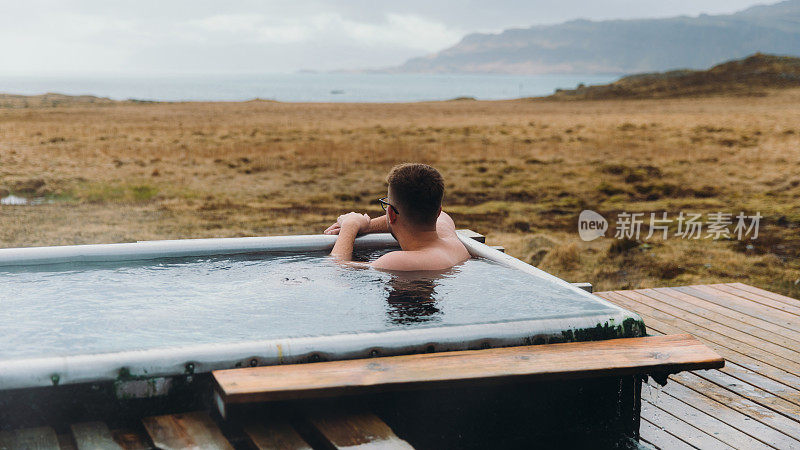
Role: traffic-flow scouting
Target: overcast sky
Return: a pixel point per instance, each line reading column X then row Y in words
column 53, row 37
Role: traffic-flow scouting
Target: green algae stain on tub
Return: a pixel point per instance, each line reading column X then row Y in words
column 630, row 328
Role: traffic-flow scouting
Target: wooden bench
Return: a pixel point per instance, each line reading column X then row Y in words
column 652, row 354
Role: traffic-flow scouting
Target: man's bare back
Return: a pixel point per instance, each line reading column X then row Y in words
column 443, row 253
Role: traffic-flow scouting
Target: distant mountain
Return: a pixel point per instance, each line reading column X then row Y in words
column 751, row 76
column 622, row 46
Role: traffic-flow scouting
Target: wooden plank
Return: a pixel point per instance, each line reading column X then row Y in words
column 194, row 430
column 659, row 438
column 727, row 385
column 734, row 418
column 742, row 347
column 677, row 427
column 767, row 300
column 764, row 415
column 716, row 327
column 676, row 303
column 749, row 376
column 93, row 435
column 752, row 393
column 752, row 377
column 525, row 363
column 766, row 330
column 339, row 429
column 735, row 303
column 749, row 301
column 765, row 376
column 718, row 423
column 655, row 398
column 65, row 442
column 132, row 439
column 274, row 434
column 765, row 293
column 39, row 438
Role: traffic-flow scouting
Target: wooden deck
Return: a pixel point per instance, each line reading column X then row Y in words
column 752, row 402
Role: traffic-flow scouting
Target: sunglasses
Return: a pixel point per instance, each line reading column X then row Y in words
column 385, row 205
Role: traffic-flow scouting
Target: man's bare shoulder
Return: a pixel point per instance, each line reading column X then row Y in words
column 398, row 260
column 445, row 226
column 428, row 259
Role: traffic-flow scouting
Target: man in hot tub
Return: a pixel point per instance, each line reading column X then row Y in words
column 414, row 216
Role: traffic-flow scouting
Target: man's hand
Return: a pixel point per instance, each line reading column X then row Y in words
column 337, row 226
column 333, row 229
column 359, row 222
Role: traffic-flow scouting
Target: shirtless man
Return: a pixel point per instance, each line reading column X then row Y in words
column 414, row 216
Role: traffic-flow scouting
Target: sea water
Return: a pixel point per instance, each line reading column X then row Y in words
column 303, row 87
column 78, row 308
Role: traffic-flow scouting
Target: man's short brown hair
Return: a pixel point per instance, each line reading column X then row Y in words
column 417, row 191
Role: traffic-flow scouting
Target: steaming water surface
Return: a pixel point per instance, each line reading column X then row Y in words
column 102, row 307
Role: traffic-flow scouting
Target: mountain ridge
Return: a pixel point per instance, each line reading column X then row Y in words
column 621, row 45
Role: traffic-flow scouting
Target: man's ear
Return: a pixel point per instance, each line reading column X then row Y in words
column 391, row 215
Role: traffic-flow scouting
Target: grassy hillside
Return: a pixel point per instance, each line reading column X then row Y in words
column 752, row 76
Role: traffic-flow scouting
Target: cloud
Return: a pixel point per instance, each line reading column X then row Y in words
column 397, row 30
column 406, row 30
column 251, row 28
column 96, row 41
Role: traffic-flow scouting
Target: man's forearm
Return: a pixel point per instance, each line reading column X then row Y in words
column 343, row 248
column 378, row 225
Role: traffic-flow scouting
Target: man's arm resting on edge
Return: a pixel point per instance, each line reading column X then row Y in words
column 350, row 225
column 343, row 249
column 376, row 225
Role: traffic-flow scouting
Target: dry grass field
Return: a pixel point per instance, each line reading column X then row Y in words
column 518, row 171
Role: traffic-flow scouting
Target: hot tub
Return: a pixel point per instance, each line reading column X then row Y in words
column 89, row 313
column 86, row 327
